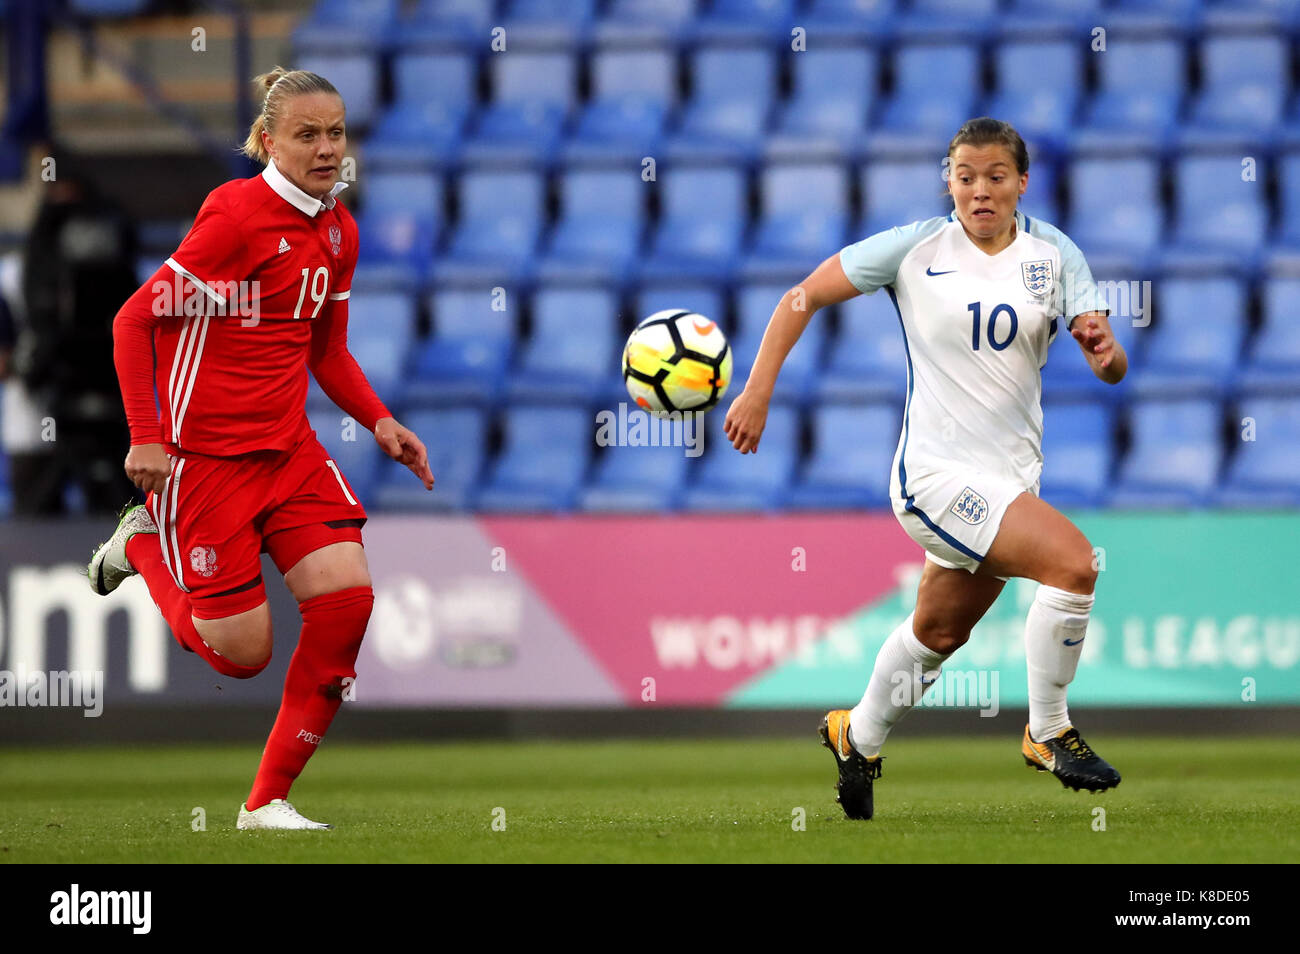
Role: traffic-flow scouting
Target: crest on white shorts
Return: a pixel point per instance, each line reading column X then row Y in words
column 971, row 507
column 203, row 560
column 1037, row 276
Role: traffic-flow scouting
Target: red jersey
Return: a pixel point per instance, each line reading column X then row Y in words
column 255, row 295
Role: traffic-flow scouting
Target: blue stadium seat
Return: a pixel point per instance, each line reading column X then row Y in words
column 1287, row 241
column 1196, row 339
column 1067, row 376
column 381, row 332
column 930, row 20
column 702, row 218
column 500, row 222
column 701, row 299
column 356, row 77
column 1115, row 206
column 1174, row 457
column 399, row 227
column 1039, row 200
column 641, row 477
column 1221, row 221
column 352, row 448
column 1039, row 87
column 867, row 360
column 754, row 307
column 934, row 88
column 342, row 26
column 1265, row 469
column 456, row 439
column 744, row 21
column 1078, row 453
column 542, row 461
column 533, row 94
column 600, row 227
column 445, row 24
column 571, row 350
column 728, row 112
column 853, row 450
column 1243, row 82
column 804, row 217
column 1141, row 86
column 1273, row 366
column 548, row 24
column 729, row 481
column 900, row 192
column 632, row 94
column 849, row 20
column 834, row 93
column 108, row 8
column 422, row 129
column 466, row 357
column 644, row 23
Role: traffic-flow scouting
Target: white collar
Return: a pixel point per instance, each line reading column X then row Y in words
column 307, row 204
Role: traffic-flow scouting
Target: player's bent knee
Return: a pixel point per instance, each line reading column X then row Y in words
column 1076, row 575
column 938, row 636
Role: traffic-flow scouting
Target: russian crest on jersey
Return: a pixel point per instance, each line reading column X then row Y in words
column 336, row 239
column 1037, row 275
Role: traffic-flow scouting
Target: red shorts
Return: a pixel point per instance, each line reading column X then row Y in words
column 217, row 515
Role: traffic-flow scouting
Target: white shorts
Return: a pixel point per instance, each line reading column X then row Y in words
column 955, row 514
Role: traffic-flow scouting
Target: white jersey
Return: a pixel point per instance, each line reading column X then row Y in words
column 976, row 328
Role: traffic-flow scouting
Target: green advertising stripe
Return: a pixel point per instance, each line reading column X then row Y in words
column 1192, row 610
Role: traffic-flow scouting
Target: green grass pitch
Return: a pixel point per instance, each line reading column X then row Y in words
column 940, row 800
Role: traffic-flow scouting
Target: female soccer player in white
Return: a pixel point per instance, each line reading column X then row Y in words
column 978, row 294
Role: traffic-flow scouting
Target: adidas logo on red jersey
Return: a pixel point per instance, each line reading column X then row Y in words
column 284, row 246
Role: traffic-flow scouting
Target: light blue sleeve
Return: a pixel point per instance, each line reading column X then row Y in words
column 1078, row 293
column 873, row 263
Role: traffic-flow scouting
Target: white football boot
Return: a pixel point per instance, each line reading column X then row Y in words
column 109, row 566
column 277, row 815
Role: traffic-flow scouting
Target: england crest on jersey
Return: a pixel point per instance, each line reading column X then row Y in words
column 1037, row 276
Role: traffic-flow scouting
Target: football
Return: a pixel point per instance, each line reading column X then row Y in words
column 676, row 361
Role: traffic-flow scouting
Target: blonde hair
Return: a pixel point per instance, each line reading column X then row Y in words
column 280, row 85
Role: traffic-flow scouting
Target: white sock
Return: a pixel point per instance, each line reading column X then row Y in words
column 904, row 670
column 1054, row 633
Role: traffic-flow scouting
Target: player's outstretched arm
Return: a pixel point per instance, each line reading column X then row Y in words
column 747, row 416
column 401, row 444
column 1105, row 355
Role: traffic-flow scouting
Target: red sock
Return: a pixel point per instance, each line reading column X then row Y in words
column 332, row 628
column 145, row 554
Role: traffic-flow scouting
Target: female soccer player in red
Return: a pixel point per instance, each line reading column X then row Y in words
column 255, row 296
column 980, row 294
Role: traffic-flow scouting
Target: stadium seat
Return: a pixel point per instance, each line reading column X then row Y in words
column 703, row 215
column 352, row 448
column 571, row 349
column 803, row 219
column 500, row 221
column 445, row 24
column 356, row 77
column 399, row 227
column 728, row 111
column 422, row 129
column 1196, row 340
column 1286, row 243
column 1115, row 206
column 867, row 360
column 1243, row 84
column 1039, row 87
column 900, row 192
column 1067, row 376
column 548, row 24
column 934, row 88
column 466, row 357
column 381, row 332
column 342, row 26
column 853, row 450
column 600, row 227
column 849, row 20
column 644, row 23
column 542, row 461
column 1221, row 220
column 533, row 94
column 641, row 477
column 456, row 439
column 1141, row 85
column 730, row 481
column 1265, row 467
column 827, row 115
column 633, row 92
column 754, row 306
column 1174, row 457
column 732, row 21
column 1078, row 453
column 947, row 19
column 1273, row 364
